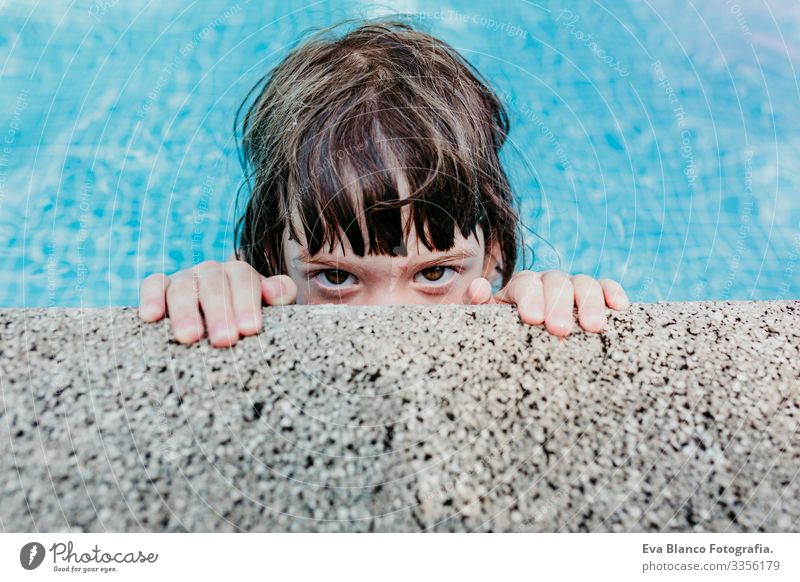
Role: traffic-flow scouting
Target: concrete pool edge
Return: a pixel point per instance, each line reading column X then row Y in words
column 679, row 417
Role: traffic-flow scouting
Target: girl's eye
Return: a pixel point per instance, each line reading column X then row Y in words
column 437, row 275
column 335, row 278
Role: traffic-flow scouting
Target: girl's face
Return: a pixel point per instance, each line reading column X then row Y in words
column 415, row 276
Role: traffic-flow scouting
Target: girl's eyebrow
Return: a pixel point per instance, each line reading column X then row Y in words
column 453, row 255
column 340, row 262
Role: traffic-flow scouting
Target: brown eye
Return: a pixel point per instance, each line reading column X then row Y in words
column 336, row 277
column 433, row 273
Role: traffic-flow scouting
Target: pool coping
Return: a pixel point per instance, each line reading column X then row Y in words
column 678, row 417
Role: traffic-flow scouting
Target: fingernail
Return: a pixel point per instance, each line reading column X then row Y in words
column 561, row 324
column 532, row 311
column 481, row 291
column 248, row 324
column 274, row 292
column 272, row 287
column 186, row 331
column 221, row 333
column 149, row 311
column 594, row 321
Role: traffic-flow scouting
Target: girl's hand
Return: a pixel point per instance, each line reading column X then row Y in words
column 230, row 295
column 550, row 296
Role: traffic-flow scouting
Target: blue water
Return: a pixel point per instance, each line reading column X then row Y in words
column 653, row 142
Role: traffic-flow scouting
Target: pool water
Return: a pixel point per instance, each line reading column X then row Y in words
column 652, row 142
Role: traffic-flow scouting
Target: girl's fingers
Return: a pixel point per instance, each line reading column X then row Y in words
column 245, row 286
column 217, row 303
column 525, row 290
column 224, row 298
column 615, row 296
column 184, row 310
column 278, row 290
column 590, row 301
column 559, row 299
column 152, row 297
column 479, row 292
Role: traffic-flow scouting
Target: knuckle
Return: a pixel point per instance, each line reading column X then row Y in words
column 180, row 279
column 208, row 269
column 527, row 275
column 240, row 270
column 238, row 265
column 526, row 278
column 180, row 288
column 587, row 283
column 154, row 279
column 524, row 273
column 176, row 291
column 553, row 275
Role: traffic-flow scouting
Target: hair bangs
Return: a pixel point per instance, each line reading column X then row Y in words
column 356, row 171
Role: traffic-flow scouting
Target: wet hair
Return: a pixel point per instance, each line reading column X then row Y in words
column 343, row 119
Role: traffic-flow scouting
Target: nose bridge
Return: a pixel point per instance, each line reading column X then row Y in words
column 388, row 294
column 392, row 288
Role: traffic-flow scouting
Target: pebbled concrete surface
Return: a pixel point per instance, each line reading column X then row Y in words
column 680, row 417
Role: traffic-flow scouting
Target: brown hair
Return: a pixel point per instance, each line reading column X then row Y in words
column 337, row 119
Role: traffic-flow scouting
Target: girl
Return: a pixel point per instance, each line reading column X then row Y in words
column 372, row 164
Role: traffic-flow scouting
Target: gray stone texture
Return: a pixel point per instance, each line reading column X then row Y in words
column 679, row 417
